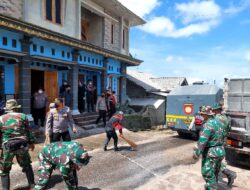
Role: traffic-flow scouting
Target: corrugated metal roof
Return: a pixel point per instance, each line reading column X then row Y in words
column 151, row 83
column 143, row 80
column 195, row 90
column 169, row 83
column 156, row 103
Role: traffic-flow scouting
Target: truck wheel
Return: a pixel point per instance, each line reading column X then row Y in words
column 182, row 134
column 230, row 157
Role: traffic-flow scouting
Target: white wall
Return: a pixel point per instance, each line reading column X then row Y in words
column 34, row 13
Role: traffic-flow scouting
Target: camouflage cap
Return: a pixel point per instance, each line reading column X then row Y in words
column 206, row 110
column 11, row 104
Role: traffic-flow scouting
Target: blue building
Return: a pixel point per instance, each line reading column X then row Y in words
column 44, row 42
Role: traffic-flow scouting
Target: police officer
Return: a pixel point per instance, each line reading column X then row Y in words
column 68, row 157
column 222, row 118
column 58, row 122
column 112, row 124
column 210, row 146
column 16, row 139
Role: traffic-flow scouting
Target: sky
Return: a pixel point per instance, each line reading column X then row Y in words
column 203, row 40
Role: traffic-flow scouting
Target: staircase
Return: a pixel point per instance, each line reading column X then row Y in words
column 87, row 120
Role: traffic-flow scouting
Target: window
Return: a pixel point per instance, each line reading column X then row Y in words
column 85, row 58
column 84, row 30
column 123, row 38
column 53, row 51
column 93, row 61
column 53, row 11
column 68, row 55
column 14, row 43
column 80, row 58
column 63, row 54
column 96, row 61
column 42, row 49
column 5, row 41
column 89, row 59
column 112, row 34
column 34, row 47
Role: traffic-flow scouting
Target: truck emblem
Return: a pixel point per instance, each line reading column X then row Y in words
column 188, row 108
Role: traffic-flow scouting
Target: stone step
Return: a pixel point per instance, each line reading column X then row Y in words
column 85, row 114
column 92, row 126
column 87, row 120
column 83, row 122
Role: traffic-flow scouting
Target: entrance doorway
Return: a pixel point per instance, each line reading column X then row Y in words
column 37, row 81
column 47, row 80
column 51, row 85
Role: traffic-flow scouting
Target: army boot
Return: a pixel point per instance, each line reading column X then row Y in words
column 30, row 176
column 5, row 182
column 231, row 176
column 105, row 148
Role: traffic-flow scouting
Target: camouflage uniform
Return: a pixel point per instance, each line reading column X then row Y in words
column 226, row 127
column 14, row 127
column 210, row 146
column 65, row 156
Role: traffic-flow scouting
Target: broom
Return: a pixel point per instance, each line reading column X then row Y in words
column 131, row 143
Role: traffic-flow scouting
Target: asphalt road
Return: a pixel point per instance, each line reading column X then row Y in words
column 157, row 153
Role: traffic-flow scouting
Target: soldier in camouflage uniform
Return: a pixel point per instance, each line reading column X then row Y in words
column 210, row 146
column 68, row 157
column 16, row 139
column 222, row 118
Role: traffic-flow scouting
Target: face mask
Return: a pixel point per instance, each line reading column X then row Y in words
column 102, row 96
column 40, row 91
column 65, row 83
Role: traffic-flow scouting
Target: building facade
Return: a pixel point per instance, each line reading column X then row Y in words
column 44, row 42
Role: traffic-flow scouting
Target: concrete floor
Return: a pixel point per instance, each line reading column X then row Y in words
column 160, row 158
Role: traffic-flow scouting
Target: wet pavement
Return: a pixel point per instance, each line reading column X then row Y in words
column 161, row 157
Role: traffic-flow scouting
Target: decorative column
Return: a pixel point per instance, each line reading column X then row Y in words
column 73, row 81
column 104, row 75
column 123, row 83
column 24, row 94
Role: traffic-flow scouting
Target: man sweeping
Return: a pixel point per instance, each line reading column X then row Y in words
column 112, row 124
